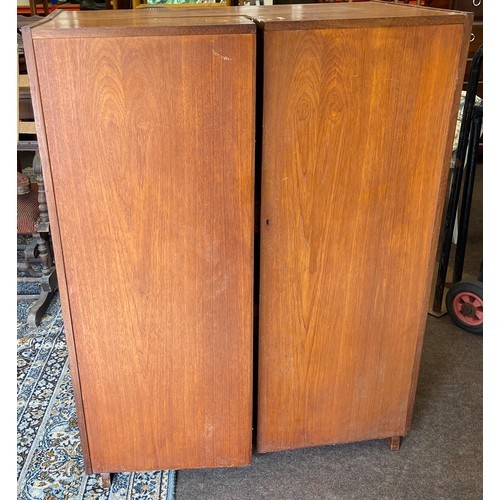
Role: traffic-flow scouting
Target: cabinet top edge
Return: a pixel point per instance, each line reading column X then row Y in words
column 219, row 19
column 353, row 14
column 83, row 24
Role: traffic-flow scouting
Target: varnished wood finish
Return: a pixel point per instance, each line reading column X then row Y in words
column 55, row 233
column 439, row 211
column 343, row 15
column 152, row 21
column 128, row 23
column 356, row 147
column 149, row 146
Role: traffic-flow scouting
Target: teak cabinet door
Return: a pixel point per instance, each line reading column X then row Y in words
column 356, row 132
column 150, row 141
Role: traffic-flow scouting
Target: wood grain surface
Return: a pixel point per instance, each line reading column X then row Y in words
column 150, row 145
column 339, row 15
column 55, row 236
column 155, row 21
column 91, row 27
column 355, row 150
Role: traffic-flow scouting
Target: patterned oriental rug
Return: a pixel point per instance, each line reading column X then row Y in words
column 49, row 456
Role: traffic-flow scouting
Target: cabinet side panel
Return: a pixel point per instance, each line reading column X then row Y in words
column 151, row 142
column 355, row 135
column 55, row 236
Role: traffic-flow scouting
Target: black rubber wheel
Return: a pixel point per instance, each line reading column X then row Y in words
column 464, row 303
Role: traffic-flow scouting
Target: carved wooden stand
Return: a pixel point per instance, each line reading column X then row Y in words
column 39, row 250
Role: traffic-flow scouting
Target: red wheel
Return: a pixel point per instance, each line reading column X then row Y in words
column 464, row 303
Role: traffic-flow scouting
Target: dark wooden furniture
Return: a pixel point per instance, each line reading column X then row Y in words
column 36, row 262
column 35, row 258
column 44, row 7
column 476, row 37
column 26, row 130
column 147, row 146
column 359, row 110
column 34, row 4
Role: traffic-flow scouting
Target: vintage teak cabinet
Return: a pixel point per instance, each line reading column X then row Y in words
column 147, row 122
column 359, row 108
column 146, row 131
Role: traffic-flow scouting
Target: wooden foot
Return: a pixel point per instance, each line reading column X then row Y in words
column 394, row 443
column 106, row 480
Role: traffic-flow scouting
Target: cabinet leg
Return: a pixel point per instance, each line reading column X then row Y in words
column 106, row 480
column 394, row 443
